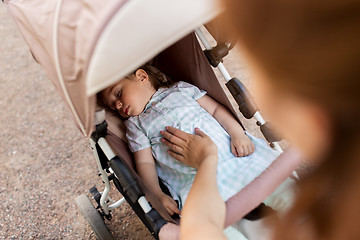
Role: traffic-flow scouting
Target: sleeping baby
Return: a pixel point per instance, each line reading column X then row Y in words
column 150, row 101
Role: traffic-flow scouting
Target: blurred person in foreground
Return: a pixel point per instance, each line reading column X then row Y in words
column 305, row 61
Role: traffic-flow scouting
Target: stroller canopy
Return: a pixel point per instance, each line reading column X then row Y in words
column 85, row 46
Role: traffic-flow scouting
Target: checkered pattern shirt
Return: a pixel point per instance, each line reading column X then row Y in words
column 177, row 106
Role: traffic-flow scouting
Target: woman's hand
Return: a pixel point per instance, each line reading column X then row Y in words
column 188, row 148
column 241, row 145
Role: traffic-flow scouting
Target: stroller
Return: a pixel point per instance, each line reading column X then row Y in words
column 85, row 46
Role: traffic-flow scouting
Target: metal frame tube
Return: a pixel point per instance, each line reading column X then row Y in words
column 207, row 46
column 106, row 148
column 259, row 118
column 227, row 77
column 116, row 204
column 202, row 38
column 110, row 155
column 277, row 147
column 224, row 72
column 104, row 176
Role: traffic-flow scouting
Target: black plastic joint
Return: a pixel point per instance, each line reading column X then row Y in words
column 156, row 221
column 100, row 131
column 216, row 54
column 268, row 133
column 96, row 195
column 242, row 97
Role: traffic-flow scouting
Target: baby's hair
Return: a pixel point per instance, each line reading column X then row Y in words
column 157, row 78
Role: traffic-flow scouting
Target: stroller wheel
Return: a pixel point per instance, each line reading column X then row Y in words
column 93, row 217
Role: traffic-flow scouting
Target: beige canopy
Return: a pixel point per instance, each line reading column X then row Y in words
column 85, row 46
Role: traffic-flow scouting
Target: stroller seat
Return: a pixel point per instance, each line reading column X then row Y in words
column 179, row 68
column 194, row 69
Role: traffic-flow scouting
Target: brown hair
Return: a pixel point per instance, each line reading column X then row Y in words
column 157, row 78
column 311, row 48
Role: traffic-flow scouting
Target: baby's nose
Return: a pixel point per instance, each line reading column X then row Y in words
column 118, row 105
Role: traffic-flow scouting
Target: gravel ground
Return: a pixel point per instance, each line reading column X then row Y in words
column 45, row 161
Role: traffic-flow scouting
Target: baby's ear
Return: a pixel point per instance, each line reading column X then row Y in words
column 141, row 75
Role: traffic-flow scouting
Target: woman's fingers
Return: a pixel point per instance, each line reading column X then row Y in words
column 178, row 133
column 174, row 147
column 199, row 132
column 172, row 138
column 176, row 156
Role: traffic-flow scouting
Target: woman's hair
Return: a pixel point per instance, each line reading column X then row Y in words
column 312, row 48
column 157, row 78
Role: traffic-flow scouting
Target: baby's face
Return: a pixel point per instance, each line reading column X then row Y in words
column 128, row 96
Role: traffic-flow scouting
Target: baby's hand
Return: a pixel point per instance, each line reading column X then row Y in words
column 169, row 204
column 241, row 145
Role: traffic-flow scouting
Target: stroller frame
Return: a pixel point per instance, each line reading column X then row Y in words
column 112, row 168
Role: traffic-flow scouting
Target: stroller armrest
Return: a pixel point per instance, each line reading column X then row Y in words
column 128, row 182
column 128, row 185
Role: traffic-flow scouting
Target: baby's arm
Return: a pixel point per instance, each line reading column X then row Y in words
column 241, row 145
column 145, row 165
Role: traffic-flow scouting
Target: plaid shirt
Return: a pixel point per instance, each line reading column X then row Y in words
column 177, row 106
